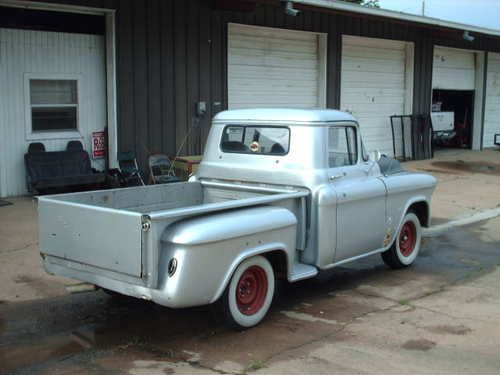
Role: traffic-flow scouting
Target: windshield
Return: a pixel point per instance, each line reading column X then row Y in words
column 261, row 140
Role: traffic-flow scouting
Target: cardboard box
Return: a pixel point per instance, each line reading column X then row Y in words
column 185, row 166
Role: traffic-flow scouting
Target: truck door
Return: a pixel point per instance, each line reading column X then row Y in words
column 361, row 213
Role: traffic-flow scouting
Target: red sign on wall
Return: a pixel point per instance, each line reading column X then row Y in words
column 98, row 145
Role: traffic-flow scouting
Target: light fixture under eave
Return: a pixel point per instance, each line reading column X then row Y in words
column 290, row 10
column 466, row 36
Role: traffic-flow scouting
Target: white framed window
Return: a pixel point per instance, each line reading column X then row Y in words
column 52, row 106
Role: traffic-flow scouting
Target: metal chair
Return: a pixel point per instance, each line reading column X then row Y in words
column 160, row 169
column 130, row 174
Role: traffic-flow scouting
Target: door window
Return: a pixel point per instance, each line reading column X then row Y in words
column 342, row 147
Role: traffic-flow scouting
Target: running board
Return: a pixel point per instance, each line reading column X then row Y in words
column 302, row 271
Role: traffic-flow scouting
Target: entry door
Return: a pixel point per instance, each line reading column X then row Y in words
column 361, row 197
column 269, row 67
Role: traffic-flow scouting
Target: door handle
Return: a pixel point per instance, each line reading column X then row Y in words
column 336, row 177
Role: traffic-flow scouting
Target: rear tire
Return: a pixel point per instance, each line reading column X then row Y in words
column 406, row 245
column 249, row 295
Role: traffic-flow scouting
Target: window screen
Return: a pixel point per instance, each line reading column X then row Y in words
column 271, row 140
column 342, row 148
column 54, row 105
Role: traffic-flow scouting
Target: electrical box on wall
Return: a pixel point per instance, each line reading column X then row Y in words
column 201, row 109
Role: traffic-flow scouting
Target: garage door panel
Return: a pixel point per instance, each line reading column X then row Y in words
column 275, row 104
column 454, row 79
column 375, row 108
column 397, row 92
column 356, row 99
column 373, row 65
column 274, row 85
column 381, row 79
column 453, row 69
column 272, row 67
column 251, row 73
column 271, row 33
column 277, row 44
column 258, row 54
column 274, row 61
column 447, row 57
column 373, row 52
column 372, row 42
column 283, row 97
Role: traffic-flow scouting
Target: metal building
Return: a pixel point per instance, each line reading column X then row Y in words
column 154, row 72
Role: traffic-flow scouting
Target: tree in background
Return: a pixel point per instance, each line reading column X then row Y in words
column 366, row 3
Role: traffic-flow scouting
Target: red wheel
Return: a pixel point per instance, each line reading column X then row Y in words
column 405, row 248
column 249, row 293
column 251, row 290
column 407, row 238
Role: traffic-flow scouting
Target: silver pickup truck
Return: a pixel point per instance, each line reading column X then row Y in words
column 280, row 193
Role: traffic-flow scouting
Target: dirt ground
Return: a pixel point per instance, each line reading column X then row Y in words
column 438, row 317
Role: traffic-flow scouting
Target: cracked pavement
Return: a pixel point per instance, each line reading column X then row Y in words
column 439, row 317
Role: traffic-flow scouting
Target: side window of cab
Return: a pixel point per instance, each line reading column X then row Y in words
column 342, row 146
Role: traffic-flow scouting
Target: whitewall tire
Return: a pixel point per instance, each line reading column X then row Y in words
column 406, row 246
column 250, row 292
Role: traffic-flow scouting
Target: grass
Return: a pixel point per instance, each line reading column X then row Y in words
column 404, row 302
column 256, row 365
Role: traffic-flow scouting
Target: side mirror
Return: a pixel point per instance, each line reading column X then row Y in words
column 375, row 155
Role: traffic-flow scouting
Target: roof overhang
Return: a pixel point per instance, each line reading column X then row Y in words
column 343, row 6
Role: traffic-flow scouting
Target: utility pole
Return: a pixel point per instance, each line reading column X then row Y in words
column 423, row 8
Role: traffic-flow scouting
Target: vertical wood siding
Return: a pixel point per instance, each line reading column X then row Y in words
column 171, row 54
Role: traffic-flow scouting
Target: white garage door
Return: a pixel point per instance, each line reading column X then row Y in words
column 453, row 69
column 52, row 90
column 492, row 105
column 270, row 67
column 376, row 83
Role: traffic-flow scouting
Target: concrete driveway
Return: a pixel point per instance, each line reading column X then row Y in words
column 468, row 182
column 438, row 317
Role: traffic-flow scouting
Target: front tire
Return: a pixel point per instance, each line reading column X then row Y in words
column 406, row 246
column 250, row 292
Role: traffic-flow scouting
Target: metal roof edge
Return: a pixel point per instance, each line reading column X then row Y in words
column 377, row 12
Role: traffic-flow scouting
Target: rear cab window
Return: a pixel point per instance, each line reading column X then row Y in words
column 258, row 140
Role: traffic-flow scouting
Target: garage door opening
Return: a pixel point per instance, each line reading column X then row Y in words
column 452, row 118
column 457, row 97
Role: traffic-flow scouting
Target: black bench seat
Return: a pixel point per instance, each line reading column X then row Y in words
column 60, row 170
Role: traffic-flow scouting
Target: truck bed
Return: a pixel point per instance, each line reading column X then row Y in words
column 116, row 232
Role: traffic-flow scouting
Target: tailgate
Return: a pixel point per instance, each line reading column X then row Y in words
column 98, row 236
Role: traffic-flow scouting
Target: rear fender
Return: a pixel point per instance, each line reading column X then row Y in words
column 210, row 248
